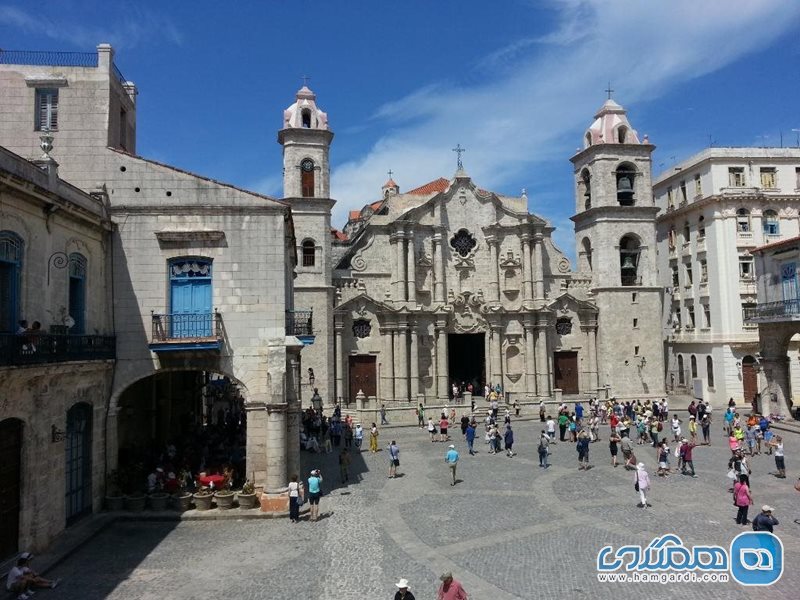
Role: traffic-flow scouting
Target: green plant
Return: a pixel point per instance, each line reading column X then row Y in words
column 224, row 492
column 203, row 491
column 248, row 488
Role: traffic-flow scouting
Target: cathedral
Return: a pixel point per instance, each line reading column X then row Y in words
column 451, row 283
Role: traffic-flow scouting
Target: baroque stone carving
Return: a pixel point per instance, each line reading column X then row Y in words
column 358, row 262
column 467, row 308
column 509, row 261
column 563, row 265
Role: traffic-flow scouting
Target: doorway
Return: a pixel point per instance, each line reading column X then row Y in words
column 363, row 376
column 11, row 476
column 466, row 360
column 78, row 455
column 565, row 367
column 749, row 379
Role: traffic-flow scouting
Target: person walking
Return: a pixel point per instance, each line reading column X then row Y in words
column 705, row 427
column 383, row 415
column 373, row 438
column 314, row 493
column 641, row 483
column 780, row 463
column 516, row 407
column 676, row 428
column 403, row 592
column 443, row 427
column 451, row 458
column 295, row 499
column 421, row 423
column 627, row 451
column 432, row 429
column 358, row 436
column 687, row 447
column 693, row 429
column 544, row 449
column 348, row 435
column 469, row 435
column 765, row 521
column 394, row 459
column 563, row 421
column 742, row 499
column 613, row 447
column 508, row 439
column 542, row 411
column 451, row 589
column 551, row 428
column 582, row 446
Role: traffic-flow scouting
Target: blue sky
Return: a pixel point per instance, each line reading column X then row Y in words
column 516, row 82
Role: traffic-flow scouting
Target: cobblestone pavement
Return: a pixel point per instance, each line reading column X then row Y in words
column 507, row 530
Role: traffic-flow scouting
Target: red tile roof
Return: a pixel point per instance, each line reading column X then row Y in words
column 376, row 205
column 433, row 187
column 354, row 214
column 775, row 245
column 338, row 235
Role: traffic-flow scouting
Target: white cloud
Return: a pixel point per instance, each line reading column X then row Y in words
column 550, row 86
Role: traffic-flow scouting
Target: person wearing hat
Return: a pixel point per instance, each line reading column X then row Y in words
column 22, row 579
column 450, row 588
column 451, row 458
column 687, row 462
column 764, row 520
column 314, row 493
column 403, row 593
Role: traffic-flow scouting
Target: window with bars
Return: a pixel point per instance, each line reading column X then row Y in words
column 743, row 220
column 46, row 109
column 11, row 250
column 675, row 281
column 683, row 191
column 701, row 227
column 703, row 271
column 690, row 314
column 361, row 328
column 309, row 253
column 769, row 177
column 688, row 272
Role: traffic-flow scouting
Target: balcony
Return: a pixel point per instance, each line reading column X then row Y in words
column 745, row 238
column 773, row 312
column 300, row 324
column 49, row 348
column 184, row 332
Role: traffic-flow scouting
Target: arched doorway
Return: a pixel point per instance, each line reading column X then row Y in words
column 749, row 379
column 78, row 456
column 11, row 476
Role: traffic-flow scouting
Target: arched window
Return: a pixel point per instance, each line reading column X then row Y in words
column 693, row 363
column 586, row 183
column 307, row 177
column 681, row 374
column 309, row 251
column 588, row 139
column 77, row 292
column 743, row 220
column 629, row 249
column 305, row 116
column 626, row 174
column 586, row 255
column 701, row 227
column 622, row 133
column 11, row 250
column 771, row 224
column 710, row 371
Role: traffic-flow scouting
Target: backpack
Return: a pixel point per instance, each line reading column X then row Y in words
column 659, row 427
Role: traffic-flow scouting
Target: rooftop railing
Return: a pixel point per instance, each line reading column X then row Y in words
column 47, row 58
column 30, row 348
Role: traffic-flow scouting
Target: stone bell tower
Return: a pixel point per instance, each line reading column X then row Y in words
column 306, row 140
column 615, row 233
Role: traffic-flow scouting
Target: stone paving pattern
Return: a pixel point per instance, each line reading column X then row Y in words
column 507, row 530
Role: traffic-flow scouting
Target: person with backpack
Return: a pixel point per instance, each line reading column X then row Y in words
column 764, row 520
column 544, row 449
column 582, row 446
column 394, row 459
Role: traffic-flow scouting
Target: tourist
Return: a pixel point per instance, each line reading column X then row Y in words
column 551, row 428
column 642, row 485
column 655, row 428
column 383, row 415
column 780, row 463
column 420, row 422
column 594, row 428
column 443, row 427
column 464, row 424
column 627, row 451
column 508, row 439
column 22, row 579
column 583, row 450
column 687, row 447
column 373, row 438
column 573, row 428
column 348, row 435
column 336, row 432
column 769, row 435
column 494, row 440
column 450, row 589
column 578, row 412
column 451, row 458
column 542, row 411
column 613, row 440
column 394, row 459
column 358, row 436
column 432, row 429
column 344, row 465
column 314, row 492
column 729, row 415
column 693, row 429
column 764, row 520
column 469, row 435
column 544, row 448
column 676, row 428
column 403, row 593
column 295, row 499
column 507, row 418
column 705, row 426
column 516, row 408
column 742, row 499
column 750, row 436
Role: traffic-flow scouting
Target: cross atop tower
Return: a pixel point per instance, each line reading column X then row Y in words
column 459, row 151
column 609, row 91
column 390, row 173
column 305, row 79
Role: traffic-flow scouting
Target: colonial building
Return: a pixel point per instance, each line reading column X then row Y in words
column 717, row 206
column 449, row 283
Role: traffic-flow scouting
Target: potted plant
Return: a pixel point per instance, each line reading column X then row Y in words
column 183, row 497
column 202, row 498
column 114, row 498
column 158, row 500
column 224, row 498
column 247, row 497
column 134, row 482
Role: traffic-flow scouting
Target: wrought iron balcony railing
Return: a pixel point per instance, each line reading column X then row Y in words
column 773, row 310
column 173, row 327
column 32, row 348
column 299, row 322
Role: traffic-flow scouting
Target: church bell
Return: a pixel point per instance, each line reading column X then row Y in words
column 624, row 187
column 627, row 263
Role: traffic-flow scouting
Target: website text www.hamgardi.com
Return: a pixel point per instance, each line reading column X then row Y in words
column 690, row 577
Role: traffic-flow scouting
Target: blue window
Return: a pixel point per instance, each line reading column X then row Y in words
column 11, row 247
column 190, row 297
column 789, row 281
column 77, row 292
column 771, row 223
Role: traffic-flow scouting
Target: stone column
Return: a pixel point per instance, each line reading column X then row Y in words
column 276, row 449
column 497, row 355
column 527, row 287
column 339, row 392
column 401, row 359
column 441, row 359
column 400, row 283
column 438, row 267
column 530, row 364
column 487, row 353
column 411, row 269
column 256, row 451
column 538, row 266
column 414, row 360
column 591, row 334
column 543, row 375
column 494, row 269
column 388, row 363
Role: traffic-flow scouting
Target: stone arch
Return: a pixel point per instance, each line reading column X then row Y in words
column 625, row 177
column 585, row 185
column 621, row 134
column 585, row 256
column 629, row 252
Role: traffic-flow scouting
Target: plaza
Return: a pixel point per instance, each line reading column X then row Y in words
column 507, row 530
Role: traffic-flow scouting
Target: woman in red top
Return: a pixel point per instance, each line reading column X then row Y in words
column 742, row 499
column 443, row 423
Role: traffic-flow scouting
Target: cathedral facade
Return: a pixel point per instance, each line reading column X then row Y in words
column 451, row 283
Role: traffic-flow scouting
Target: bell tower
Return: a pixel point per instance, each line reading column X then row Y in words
column 306, row 140
column 615, row 233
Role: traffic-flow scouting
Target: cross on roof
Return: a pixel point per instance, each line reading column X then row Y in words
column 609, row 91
column 390, row 173
column 459, row 151
column 305, row 79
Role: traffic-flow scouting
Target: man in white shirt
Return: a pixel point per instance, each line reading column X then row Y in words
column 22, row 579
column 551, row 429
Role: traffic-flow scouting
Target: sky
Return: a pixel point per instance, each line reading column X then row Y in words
column 515, row 82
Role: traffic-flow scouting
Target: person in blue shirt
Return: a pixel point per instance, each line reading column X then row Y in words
column 469, row 434
column 314, row 493
column 508, row 439
column 451, row 458
column 579, row 411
